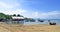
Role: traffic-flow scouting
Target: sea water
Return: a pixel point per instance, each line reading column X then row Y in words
column 57, row 21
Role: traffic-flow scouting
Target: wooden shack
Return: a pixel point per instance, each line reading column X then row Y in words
column 16, row 19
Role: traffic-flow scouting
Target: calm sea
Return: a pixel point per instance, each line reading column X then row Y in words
column 57, row 21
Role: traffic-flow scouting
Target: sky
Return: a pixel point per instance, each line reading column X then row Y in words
column 43, row 9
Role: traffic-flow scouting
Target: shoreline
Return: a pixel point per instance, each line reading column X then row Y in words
column 29, row 28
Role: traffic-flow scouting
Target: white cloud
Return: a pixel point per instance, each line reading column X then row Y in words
column 12, row 8
column 54, row 14
column 6, row 5
column 17, row 11
column 21, row 10
column 48, row 15
column 35, row 14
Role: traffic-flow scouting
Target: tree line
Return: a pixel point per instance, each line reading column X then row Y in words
column 4, row 16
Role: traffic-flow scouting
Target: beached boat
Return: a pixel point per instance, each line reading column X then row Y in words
column 40, row 20
column 51, row 23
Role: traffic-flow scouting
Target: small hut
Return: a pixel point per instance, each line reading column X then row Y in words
column 16, row 19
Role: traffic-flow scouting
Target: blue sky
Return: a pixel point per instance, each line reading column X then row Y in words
column 44, row 9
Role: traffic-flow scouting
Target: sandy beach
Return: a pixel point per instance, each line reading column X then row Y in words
column 31, row 28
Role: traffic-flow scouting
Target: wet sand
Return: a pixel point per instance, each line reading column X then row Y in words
column 31, row 28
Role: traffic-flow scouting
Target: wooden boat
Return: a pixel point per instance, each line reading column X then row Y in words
column 40, row 20
column 51, row 23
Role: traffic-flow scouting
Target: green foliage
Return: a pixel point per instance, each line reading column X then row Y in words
column 29, row 19
column 32, row 20
column 14, row 14
column 19, row 15
column 2, row 15
column 8, row 16
column 5, row 16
